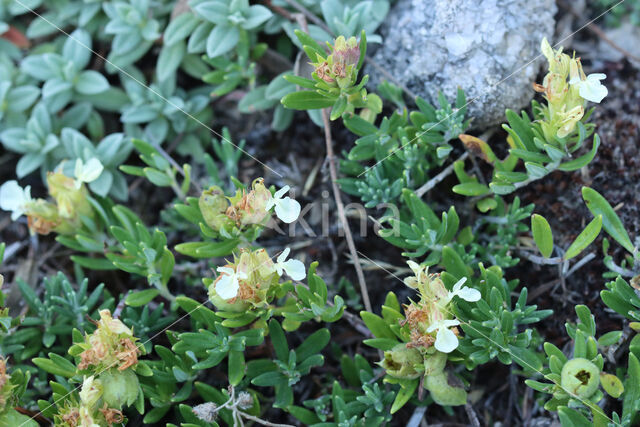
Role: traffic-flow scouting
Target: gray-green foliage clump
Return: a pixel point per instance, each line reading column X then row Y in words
column 206, row 318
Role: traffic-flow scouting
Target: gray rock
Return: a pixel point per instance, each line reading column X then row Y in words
column 432, row 45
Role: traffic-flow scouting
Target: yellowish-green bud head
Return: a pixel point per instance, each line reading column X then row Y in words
column 72, row 201
column 569, row 120
column 244, row 209
column 580, row 377
column 120, row 388
column 401, row 361
column 213, row 205
column 43, row 217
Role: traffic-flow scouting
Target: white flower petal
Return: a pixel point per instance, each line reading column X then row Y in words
column 458, row 285
column 469, row 294
column 596, row 76
column 283, row 256
column 287, row 209
column 14, row 198
column 446, row 340
column 227, row 286
column 226, row 270
column 92, row 170
column 594, row 92
column 279, row 268
column 447, row 323
column 77, row 171
column 270, row 203
column 281, row 192
column 295, row 269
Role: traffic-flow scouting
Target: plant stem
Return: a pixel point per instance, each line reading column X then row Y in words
column 440, row 177
column 336, row 193
column 260, row 420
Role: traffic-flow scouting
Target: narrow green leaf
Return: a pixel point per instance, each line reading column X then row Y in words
column 306, row 100
column 141, row 298
column 585, row 238
column 598, row 205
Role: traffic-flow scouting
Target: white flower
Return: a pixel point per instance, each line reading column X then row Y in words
column 287, row 209
column 293, row 267
column 87, row 172
column 13, row 198
column 228, row 284
column 446, row 340
column 420, row 275
column 591, row 89
column 466, row 293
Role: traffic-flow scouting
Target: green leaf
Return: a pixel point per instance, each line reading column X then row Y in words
column 236, row 367
column 169, row 60
column 278, row 340
column 222, row 39
column 542, row 234
column 632, row 388
column 306, row 100
column 179, row 28
column 611, row 384
column 404, row 394
column 377, row 325
column 56, row 365
column 313, row 344
column 207, row 249
column 572, row 418
column 582, row 160
column 598, row 205
column 93, row 263
column 268, row 379
column 141, row 298
column 91, row 82
column 585, row 238
column 471, row 189
column 610, row 338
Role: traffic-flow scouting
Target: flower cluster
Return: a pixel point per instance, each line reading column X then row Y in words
column 70, row 196
column 339, row 69
column 246, row 282
column 111, row 354
column 432, row 314
column 245, row 209
column 430, row 334
column 91, row 410
column 567, row 90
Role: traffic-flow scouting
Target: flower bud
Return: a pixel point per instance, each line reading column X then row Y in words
column 346, row 52
column 120, row 388
column 580, row 377
column 213, row 205
column 72, row 201
column 400, row 362
column 43, row 217
column 243, row 209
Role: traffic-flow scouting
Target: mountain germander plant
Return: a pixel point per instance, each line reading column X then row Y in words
column 150, row 282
